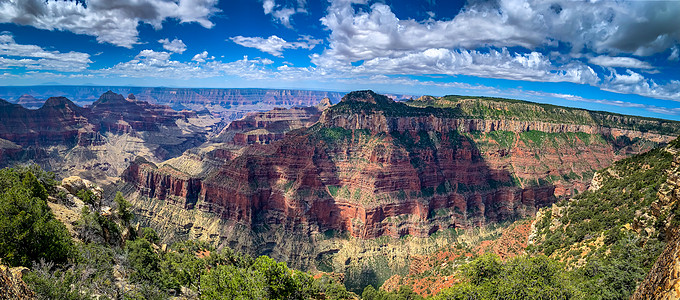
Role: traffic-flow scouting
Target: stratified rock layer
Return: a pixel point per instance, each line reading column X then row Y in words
column 372, row 167
column 269, row 126
column 97, row 141
column 30, row 102
column 228, row 104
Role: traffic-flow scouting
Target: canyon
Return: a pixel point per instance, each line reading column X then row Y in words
column 228, row 104
column 372, row 168
column 99, row 141
column 368, row 189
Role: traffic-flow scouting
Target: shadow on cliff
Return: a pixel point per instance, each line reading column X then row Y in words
column 446, row 183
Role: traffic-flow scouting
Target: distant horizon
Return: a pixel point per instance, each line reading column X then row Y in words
column 414, row 96
column 619, row 56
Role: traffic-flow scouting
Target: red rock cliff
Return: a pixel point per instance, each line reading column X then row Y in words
column 398, row 171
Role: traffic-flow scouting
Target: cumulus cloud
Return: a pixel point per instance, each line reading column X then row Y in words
column 176, row 45
column 504, row 64
column 283, row 12
column 202, row 57
column 373, row 40
column 110, row 21
column 268, row 6
column 161, row 65
column 634, row 83
column 37, row 58
column 639, row 28
column 275, row 45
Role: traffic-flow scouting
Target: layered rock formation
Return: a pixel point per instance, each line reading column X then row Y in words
column 97, row 142
column 269, row 126
column 30, row 102
column 58, row 121
column 663, row 281
column 373, row 167
column 229, row 104
column 113, row 113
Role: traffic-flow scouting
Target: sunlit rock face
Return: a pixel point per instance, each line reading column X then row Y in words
column 373, row 167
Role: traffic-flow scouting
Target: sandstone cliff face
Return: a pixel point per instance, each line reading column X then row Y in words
column 391, row 171
column 113, row 113
column 57, row 122
column 379, row 122
column 663, row 281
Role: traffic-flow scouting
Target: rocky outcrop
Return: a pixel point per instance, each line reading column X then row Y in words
column 380, row 122
column 12, row 286
column 663, row 281
column 8, row 150
column 57, row 122
column 165, row 184
column 114, row 113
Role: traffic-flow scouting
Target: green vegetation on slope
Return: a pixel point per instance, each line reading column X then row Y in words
column 392, row 108
column 28, row 230
column 110, row 260
column 500, row 108
column 605, row 240
column 523, row 277
column 594, row 232
column 487, row 277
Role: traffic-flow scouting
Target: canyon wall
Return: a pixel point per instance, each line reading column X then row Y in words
column 99, row 141
column 663, row 280
column 372, row 167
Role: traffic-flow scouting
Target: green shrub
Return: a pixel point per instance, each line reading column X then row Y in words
column 28, row 230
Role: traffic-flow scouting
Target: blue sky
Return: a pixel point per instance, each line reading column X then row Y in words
column 604, row 55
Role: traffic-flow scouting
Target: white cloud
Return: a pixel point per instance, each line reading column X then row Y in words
column 634, row 83
column 110, row 21
column 389, row 45
column 175, row 45
column 283, row 13
column 202, row 57
column 161, row 65
column 37, row 58
column 532, row 66
column 275, row 45
column 639, row 28
column 367, row 41
column 619, row 62
column 619, row 103
column 268, row 6
column 675, row 52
